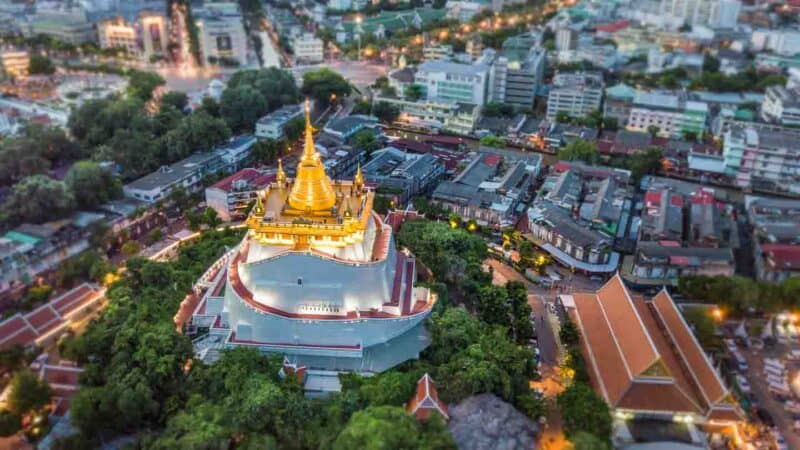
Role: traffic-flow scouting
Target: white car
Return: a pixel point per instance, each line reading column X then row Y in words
column 744, row 385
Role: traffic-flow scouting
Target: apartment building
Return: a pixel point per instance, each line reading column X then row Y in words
column 403, row 174
column 220, row 31
column 15, row 63
column 454, row 82
column 576, row 94
column 145, row 37
column 231, row 196
column 781, row 105
column 763, row 159
column 272, row 125
column 776, row 237
column 308, row 49
column 672, row 115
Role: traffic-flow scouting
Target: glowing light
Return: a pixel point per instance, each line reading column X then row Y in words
column 717, row 313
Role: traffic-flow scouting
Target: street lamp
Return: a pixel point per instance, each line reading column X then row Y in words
column 358, row 36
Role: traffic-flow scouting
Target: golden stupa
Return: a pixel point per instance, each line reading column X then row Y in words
column 309, row 210
column 311, row 189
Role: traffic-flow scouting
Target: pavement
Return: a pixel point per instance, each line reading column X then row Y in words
column 758, row 386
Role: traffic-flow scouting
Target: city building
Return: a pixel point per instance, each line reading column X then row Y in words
column 670, row 114
column 659, row 263
column 404, row 175
column 491, row 188
column 346, row 127
column 648, row 366
column 618, row 103
column 232, row 196
column 776, row 237
column 15, row 63
column 308, row 49
column 317, row 279
column 576, row 94
column 61, row 21
column 220, row 32
column 434, row 52
column 520, row 76
column 454, row 82
column 763, row 159
column 273, row 125
column 145, row 37
column 187, row 173
column 781, row 105
column 31, row 249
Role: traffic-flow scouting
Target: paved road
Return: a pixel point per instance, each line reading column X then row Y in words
column 758, row 385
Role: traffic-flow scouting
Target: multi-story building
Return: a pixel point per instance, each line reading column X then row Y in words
column 318, row 280
column 308, row 49
column 776, row 237
column 781, row 105
column 273, row 124
column 220, row 32
column 346, row 127
column 763, row 159
column 454, row 82
column 232, row 196
column 15, row 63
column 188, row 173
column 524, row 77
column 145, row 37
column 63, row 22
column 660, row 263
column 434, row 52
column 725, row 14
column 670, row 114
column 618, row 103
column 405, row 175
column 486, row 190
column 576, row 94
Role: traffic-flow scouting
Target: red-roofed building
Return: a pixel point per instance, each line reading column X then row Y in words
column 62, row 378
column 645, row 362
column 426, row 400
column 395, row 218
column 231, row 196
column 782, row 260
column 613, row 27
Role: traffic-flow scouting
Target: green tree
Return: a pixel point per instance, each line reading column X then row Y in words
column 175, row 99
column 653, row 130
column 385, row 112
column 40, row 65
column 710, row 63
column 197, row 133
column 211, row 218
column 580, row 150
column 142, row 84
column 38, row 199
column 413, row 92
column 586, row 441
column 563, row 117
column 266, row 152
column 365, row 140
column 583, row 410
column 28, row 393
column 384, row 427
column 130, row 248
column 491, row 140
column 92, row 185
column 324, row 83
column 242, row 106
column 10, row 423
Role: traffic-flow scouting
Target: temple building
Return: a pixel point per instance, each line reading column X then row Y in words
column 646, row 363
column 317, row 279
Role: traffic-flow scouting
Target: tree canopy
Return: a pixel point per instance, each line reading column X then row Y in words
column 324, row 83
column 580, row 150
column 92, row 185
column 37, row 199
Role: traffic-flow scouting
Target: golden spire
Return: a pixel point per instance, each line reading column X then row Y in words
column 358, row 181
column 311, row 189
column 280, row 177
column 258, row 209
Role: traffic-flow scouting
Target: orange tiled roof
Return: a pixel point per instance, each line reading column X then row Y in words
column 643, row 356
column 426, row 400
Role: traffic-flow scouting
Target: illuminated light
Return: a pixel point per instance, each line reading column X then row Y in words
column 717, row 313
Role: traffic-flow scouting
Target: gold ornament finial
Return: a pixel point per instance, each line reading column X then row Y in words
column 358, row 180
column 258, row 209
column 280, row 178
column 311, row 189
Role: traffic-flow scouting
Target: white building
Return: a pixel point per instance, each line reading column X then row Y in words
column 272, row 125
column 673, row 115
column 725, row 14
column 220, row 31
column 308, row 49
column 15, row 63
column 781, row 105
column 454, row 82
column 576, row 94
column 763, row 158
column 232, row 196
column 340, row 5
column 146, row 37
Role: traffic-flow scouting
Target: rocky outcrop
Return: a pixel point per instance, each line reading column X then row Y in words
column 485, row 422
